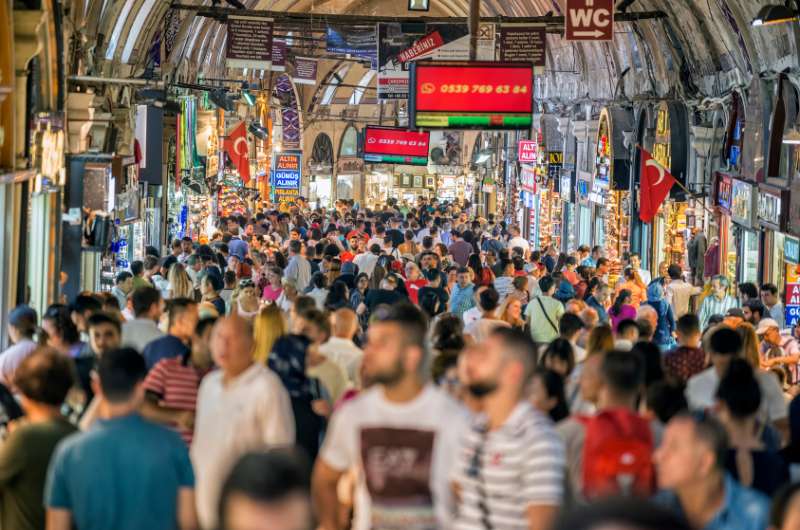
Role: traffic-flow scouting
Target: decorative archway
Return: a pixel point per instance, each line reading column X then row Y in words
column 348, row 145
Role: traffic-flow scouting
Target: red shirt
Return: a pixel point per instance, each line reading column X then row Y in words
column 414, row 287
column 176, row 386
column 684, row 362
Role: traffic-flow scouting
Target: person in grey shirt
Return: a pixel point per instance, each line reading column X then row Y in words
column 769, row 295
column 298, row 269
column 147, row 308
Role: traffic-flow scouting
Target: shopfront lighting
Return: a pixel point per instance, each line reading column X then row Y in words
column 248, row 98
column 775, row 14
column 220, row 98
column 258, row 131
column 792, row 137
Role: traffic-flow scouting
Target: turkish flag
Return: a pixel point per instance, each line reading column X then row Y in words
column 239, row 151
column 655, row 184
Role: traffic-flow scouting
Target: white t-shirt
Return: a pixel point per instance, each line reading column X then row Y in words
column 403, row 453
column 519, row 241
column 480, row 329
column 366, row 262
column 701, row 389
column 471, row 315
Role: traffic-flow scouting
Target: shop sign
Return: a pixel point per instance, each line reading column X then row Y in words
column 742, row 195
column 555, row 161
column 349, row 165
column 584, row 186
column 524, row 43
column 396, row 146
column 589, row 20
column 792, row 295
column 249, row 43
column 724, row 191
column 598, row 193
column 566, row 188
column 286, row 177
column 527, row 179
column 772, row 204
column 528, row 152
column 791, row 250
column 471, row 95
column 305, row 71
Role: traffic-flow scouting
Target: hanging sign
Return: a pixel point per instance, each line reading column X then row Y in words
column 525, row 43
column 589, row 20
column 742, row 202
column 555, row 161
column 352, row 42
column 791, row 250
column 471, row 95
column 772, row 207
column 389, row 145
column 305, row 71
column 528, row 152
column 527, row 179
column 724, row 192
column 249, row 43
column 393, row 39
column 286, row 177
column 566, row 187
column 278, row 55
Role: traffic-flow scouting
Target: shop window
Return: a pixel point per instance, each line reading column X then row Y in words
column 358, row 93
column 349, row 145
column 333, row 83
column 322, row 152
column 122, row 17
column 136, row 30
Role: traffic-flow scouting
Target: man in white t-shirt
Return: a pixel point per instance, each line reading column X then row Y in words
column 393, row 434
column 516, row 240
column 471, row 315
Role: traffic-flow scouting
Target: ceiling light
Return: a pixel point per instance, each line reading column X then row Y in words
column 258, row 131
column 220, row 98
column 774, row 14
column 792, row 137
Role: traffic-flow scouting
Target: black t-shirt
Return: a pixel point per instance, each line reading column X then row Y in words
column 770, row 471
column 376, row 297
column 397, row 237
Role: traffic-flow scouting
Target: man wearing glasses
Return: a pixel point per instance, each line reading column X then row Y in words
column 511, row 465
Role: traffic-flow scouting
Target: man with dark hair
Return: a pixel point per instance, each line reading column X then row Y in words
column 691, row 475
column 570, row 326
column 186, row 249
column 512, row 444
column 627, row 334
column 459, row 249
column 769, row 295
column 267, row 491
column 399, row 415
column 43, row 380
column 105, row 335
column 139, row 468
column 137, row 269
column 21, row 325
column 123, row 285
column 298, row 270
column 688, row 359
column 83, row 306
column 725, row 344
column 488, row 301
column 147, row 307
column 678, row 291
column 183, row 317
column 754, row 311
column 544, row 312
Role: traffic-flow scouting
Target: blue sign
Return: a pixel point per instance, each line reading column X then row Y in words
column 286, row 177
column 357, row 43
column 792, row 315
column 791, row 250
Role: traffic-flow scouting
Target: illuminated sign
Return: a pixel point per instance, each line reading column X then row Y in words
column 528, row 152
column 471, row 95
column 286, row 177
column 388, row 145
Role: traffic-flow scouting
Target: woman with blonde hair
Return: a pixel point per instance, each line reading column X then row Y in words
column 268, row 327
column 601, row 340
column 749, row 344
column 180, row 284
column 511, row 312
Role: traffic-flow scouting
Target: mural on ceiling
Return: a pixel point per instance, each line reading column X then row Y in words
column 290, row 113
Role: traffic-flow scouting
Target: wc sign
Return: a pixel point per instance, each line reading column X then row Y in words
column 589, row 20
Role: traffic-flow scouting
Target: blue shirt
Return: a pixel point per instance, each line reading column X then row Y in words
column 589, row 262
column 238, row 248
column 462, row 299
column 124, row 474
column 743, row 509
column 166, row 347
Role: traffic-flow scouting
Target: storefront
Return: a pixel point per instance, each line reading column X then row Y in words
column 409, row 187
column 585, row 208
column 723, row 191
column 349, row 178
column 320, row 172
column 378, row 183
column 566, row 190
column 791, row 256
column 745, row 237
column 610, row 190
column 772, row 215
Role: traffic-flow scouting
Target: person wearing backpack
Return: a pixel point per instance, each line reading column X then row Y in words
column 610, row 453
column 543, row 313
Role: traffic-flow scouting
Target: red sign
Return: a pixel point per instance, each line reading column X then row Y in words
column 473, row 87
column 391, row 141
column 591, row 20
column 427, row 43
column 528, row 152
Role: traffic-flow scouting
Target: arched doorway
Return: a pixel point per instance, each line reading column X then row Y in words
column 320, row 166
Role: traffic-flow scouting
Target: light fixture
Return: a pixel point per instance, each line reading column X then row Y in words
column 248, row 98
column 258, row 131
column 220, row 98
column 792, row 137
column 775, row 14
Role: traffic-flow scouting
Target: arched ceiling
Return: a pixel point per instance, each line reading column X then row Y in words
column 702, row 49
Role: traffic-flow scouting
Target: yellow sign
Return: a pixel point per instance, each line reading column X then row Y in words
column 556, row 157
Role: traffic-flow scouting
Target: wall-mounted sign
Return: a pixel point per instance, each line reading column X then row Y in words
column 773, row 205
column 791, row 250
column 527, row 179
column 599, row 192
column 584, row 186
column 525, row 43
column 278, row 55
column 249, row 43
column 389, row 145
column 555, row 161
column 742, row 202
column 471, row 95
column 591, row 20
column 566, row 189
column 286, row 177
column 346, row 166
column 724, row 189
column 527, row 152
column 305, row 71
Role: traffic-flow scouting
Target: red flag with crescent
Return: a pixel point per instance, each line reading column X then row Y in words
column 655, row 184
column 239, row 151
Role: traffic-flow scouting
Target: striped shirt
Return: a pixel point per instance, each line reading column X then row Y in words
column 176, row 384
column 500, row 474
column 714, row 306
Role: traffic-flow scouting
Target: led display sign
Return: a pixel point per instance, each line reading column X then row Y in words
column 389, row 145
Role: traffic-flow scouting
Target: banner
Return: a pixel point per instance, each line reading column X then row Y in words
column 278, row 55
column 450, row 42
column 249, row 43
column 395, row 38
column 305, row 71
column 446, row 149
column 525, row 43
column 286, row 177
column 356, row 43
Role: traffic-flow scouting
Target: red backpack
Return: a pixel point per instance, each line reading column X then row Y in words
column 617, row 455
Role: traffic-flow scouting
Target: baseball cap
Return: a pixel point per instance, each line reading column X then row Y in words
column 765, row 324
column 348, row 267
column 22, row 315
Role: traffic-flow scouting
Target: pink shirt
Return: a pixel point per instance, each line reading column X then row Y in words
column 271, row 294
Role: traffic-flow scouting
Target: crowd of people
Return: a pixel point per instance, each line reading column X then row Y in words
column 401, row 367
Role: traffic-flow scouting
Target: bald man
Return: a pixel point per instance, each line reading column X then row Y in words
column 340, row 347
column 241, row 407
